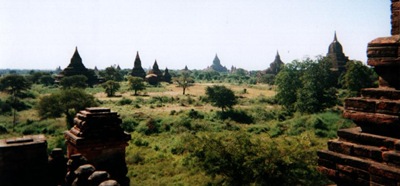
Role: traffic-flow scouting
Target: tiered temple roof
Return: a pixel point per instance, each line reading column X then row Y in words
column 137, row 70
column 335, row 53
column 276, row 65
column 217, row 65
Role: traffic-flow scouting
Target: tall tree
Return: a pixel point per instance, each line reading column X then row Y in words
column 184, row 80
column 288, row 83
column 111, row 87
column 307, row 86
column 68, row 102
column 136, row 84
column 76, row 81
column 112, row 73
column 318, row 91
column 357, row 77
column 221, row 97
column 14, row 85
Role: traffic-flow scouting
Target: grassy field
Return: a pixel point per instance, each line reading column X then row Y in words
column 163, row 157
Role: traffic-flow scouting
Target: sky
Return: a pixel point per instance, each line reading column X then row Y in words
column 43, row 34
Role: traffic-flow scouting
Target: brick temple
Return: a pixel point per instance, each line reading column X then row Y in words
column 370, row 153
column 98, row 136
column 95, row 154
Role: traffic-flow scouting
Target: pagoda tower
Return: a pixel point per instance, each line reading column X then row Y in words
column 155, row 70
column 137, row 70
column 167, row 76
column 217, row 65
column 76, row 67
column 335, row 53
column 276, row 65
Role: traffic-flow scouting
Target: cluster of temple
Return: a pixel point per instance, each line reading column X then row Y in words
column 335, row 54
column 155, row 75
column 369, row 154
column 95, row 155
column 76, row 67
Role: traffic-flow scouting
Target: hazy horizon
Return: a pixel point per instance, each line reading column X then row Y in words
column 245, row 34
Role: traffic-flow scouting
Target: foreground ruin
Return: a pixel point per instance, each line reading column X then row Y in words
column 95, row 154
column 369, row 154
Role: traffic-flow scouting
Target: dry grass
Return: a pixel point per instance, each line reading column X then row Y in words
column 171, row 90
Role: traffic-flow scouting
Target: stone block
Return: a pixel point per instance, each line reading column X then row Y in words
column 340, row 147
column 360, row 104
column 379, row 93
column 98, row 136
column 391, row 157
column 23, row 161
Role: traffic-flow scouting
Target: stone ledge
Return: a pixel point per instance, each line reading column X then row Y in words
column 363, row 151
column 381, row 93
column 369, row 105
column 355, row 135
column 353, row 170
column 372, row 118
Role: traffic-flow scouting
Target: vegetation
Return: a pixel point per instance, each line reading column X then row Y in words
column 136, row 84
column 221, row 97
column 184, row 80
column 270, row 138
column 111, row 87
column 307, row 86
column 15, row 85
column 67, row 102
column 76, row 81
column 358, row 76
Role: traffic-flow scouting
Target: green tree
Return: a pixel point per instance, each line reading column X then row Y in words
column 307, row 86
column 288, row 83
column 68, row 102
column 46, row 80
column 112, row 73
column 221, row 97
column 357, row 77
column 76, row 81
column 14, row 85
column 34, row 77
column 136, row 84
column 318, row 91
column 242, row 159
column 184, row 80
column 111, row 87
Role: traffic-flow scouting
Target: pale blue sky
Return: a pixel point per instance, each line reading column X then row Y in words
column 42, row 34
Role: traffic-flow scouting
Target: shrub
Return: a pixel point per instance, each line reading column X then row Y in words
column 239, row 116
column 3, row 129
column 125, row 101
column 242, row 160
column 129, row 125
column 195, row 114
column 141, row 143
column 135, row 158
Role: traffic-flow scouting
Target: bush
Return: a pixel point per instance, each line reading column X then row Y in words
column 195, row 114
column 150, row 126
column 242, row 160
column 125, row 101
column 141, row 143
column 3, row 129
column 135, row 158
column 258, row 129
column 239, row 116
column 129, row 125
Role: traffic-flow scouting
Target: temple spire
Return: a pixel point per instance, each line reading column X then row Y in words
column 137, row 70
column 335, row 37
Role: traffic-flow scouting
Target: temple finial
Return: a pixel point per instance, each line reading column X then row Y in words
column 335, row 37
